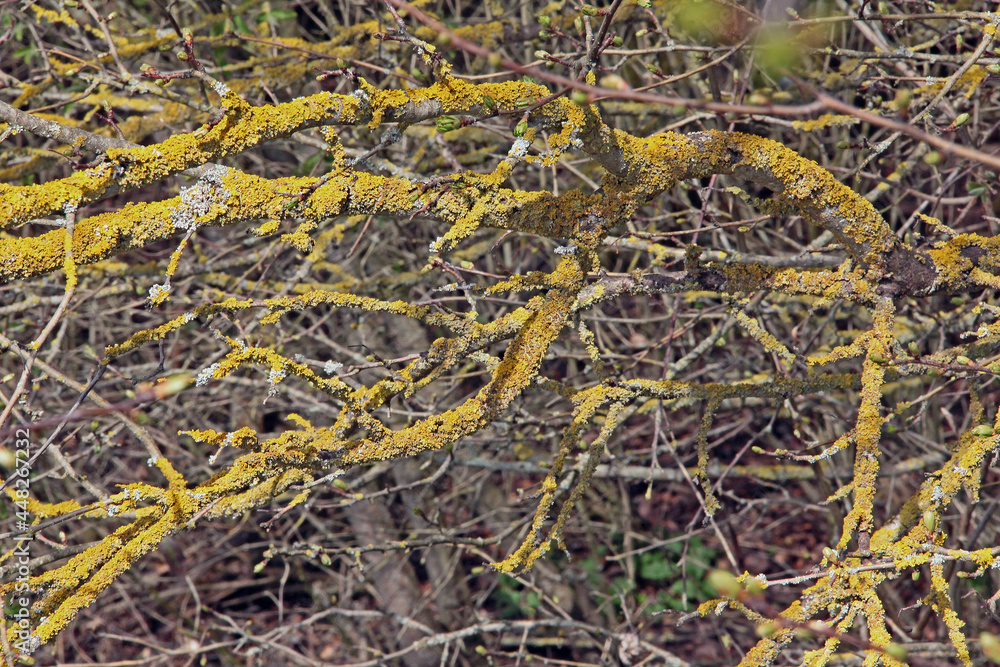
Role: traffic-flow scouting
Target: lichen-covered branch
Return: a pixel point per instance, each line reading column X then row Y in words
column 497, row 325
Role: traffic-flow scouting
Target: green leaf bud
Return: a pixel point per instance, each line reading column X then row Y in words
column 896, row 651
column 903, row 98
column 766, row 629
column 724, row 583
column 990, row 646
column 932, row 158
column 613, row 82
column 446, row 124
column 172, row 385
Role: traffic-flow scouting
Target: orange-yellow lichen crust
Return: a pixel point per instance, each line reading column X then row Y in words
column 954, row 265
column 910, row 539
column 242, row 197
column 243, row 127
column 638, row 169
column 587, row 403
column 867, row 432
column 940, row 601
column 710, row 503
column 820, row 657
column 762, row 336
column 518, row 367
column 251, row 480
column 641, row 169
column 656, row 163
column 825, row 121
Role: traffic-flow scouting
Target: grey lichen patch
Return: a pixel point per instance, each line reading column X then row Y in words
column 198, row 200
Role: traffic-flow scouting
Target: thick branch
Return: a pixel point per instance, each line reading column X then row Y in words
column 657, row 163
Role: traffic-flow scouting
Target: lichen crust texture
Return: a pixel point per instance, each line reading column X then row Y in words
column 413, row 262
